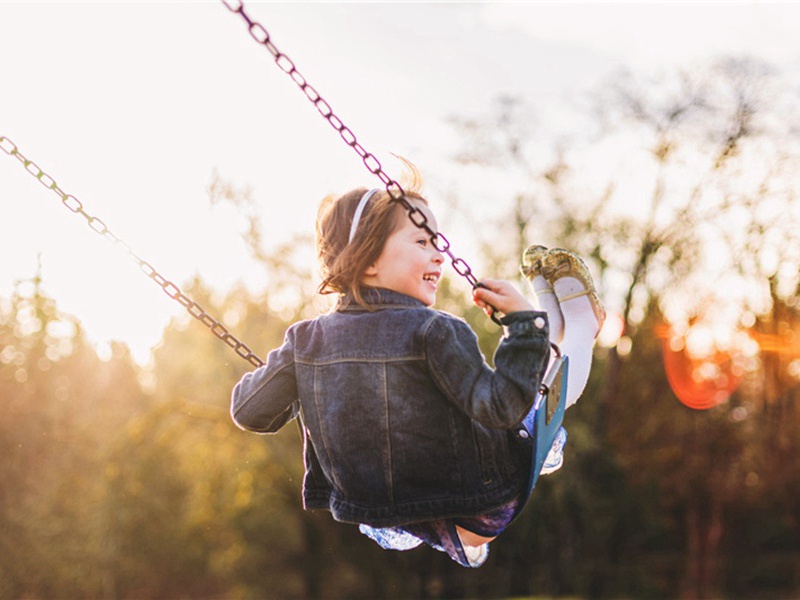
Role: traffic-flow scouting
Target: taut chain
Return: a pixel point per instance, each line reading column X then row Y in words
column 96, row 225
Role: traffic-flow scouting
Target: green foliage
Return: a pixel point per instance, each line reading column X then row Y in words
column 123, row 482
column 52, row 440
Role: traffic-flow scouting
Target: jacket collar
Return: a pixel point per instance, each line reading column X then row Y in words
column 377, row 299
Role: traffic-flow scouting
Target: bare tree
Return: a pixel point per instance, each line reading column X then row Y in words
column 709, row 155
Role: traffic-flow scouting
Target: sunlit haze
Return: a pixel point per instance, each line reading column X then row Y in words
column 132, row 108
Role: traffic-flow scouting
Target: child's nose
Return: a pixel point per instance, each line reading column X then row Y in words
column 438, row 258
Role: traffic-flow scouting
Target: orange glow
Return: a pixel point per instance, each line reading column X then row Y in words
column 700, row 374
column 704, row 366
column 777, row 343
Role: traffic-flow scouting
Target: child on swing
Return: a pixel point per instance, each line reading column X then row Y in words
column 407, row 431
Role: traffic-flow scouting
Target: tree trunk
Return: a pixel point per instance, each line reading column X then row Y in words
column 704, row 528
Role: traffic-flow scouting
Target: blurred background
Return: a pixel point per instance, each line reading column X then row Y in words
column 668, row 160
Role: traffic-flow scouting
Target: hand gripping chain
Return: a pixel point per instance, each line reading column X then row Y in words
column 96, row 225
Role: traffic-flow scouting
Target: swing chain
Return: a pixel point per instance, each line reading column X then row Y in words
column 371, row 162
column 99, row 227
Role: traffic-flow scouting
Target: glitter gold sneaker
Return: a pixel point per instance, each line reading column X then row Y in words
column 533, row 261
column 558, row 263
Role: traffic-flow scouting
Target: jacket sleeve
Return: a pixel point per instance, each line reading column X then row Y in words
column 498, row 398
column 264, row 400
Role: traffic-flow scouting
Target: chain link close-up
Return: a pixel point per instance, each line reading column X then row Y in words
column 99, row 227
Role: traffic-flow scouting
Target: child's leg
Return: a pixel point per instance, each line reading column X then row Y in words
column 472, row 539
column 561, row 276
column 580, row 329
column 475, row 533
column 582, row 312
column 545, row 296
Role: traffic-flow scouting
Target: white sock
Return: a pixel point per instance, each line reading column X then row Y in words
column 476, row 554
column 580, row 328
column 547, row 301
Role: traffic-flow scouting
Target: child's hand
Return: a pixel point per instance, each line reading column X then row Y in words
column 502, row 295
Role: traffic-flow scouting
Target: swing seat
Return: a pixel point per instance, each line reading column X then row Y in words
column 540, row 428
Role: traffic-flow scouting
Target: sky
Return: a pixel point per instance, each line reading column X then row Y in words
column 133, row 107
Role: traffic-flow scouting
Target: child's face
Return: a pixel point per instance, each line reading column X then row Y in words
column 409, row 263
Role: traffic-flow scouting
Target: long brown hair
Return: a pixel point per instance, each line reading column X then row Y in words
column 343, row 263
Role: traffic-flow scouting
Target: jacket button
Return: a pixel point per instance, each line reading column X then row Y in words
column 539, row 322
column 523, row 434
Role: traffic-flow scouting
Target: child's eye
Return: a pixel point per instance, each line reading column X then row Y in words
column 422, row 242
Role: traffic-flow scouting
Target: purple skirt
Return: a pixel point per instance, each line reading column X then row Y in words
column 441, row 534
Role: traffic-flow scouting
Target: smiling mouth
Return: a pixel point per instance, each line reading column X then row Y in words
column 431, row 277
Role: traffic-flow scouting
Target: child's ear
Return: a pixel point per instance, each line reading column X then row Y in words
column 370, row 271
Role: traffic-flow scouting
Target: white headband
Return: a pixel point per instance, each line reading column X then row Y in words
column 360, row 209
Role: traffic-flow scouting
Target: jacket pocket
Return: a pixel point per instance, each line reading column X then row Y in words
column 493, row 453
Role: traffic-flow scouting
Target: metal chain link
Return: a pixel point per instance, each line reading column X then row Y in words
column 373, row 165
column 99, row 227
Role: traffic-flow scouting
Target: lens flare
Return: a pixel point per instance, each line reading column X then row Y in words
column 701, row 373
column 705, row 363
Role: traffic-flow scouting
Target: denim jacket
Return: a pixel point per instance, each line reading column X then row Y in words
column 402, row 419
